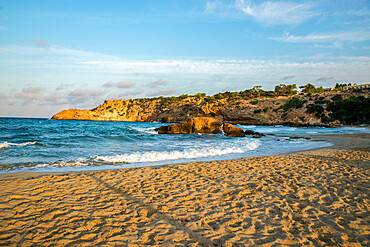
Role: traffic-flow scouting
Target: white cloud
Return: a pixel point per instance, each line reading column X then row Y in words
column 126, row 94
column 85, row 97
column 53, row 57
column 63, row 86
column 109, row 84
column 351, row 36
column 125, row 84
column 122, row 84
column 30, row 93
column 41, row 43
column 56, row 99
column 278, row 13
column 157, row 83
column 210, row 6
column 84, row 93
column 130, row 93
column 95, row 68
column 97, row 65
column 162, row 93
column 358, row 12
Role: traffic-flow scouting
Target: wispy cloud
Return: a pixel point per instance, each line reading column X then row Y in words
column 162, row 93
column 243, row 73
column 358, row 12
column 51, row 57
column 30, row 93
column 124, row 95
column 122, row 84
column 278, row 13
column 325, row 78
column 351, row 36
column 287, row 77
column 63, row 86
column 42, row 43
column 109, row 84
column 211, row 6
column 3, row 97
column 81, row 94
column 56, row 98
column 157, row 83
column 130, row 93
column 223, row 9
column 126, row 84
column 226, row 89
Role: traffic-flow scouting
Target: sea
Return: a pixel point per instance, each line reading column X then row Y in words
column 44, row 145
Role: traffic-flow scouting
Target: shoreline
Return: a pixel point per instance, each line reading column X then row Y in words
column 315, row 197
column 338, row 141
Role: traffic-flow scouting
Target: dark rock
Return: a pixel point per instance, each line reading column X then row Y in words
column 233, row 131
column 202, row 125
column 248, row 132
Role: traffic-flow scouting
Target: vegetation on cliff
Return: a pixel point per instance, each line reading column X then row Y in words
column 353, row 110
column 285, row 105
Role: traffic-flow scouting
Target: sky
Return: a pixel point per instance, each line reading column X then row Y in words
column 62, row 54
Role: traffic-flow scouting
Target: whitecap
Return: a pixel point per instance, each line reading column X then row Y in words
column 4, row 145
column 146, row 130
column 8, row 144
column 192, row 153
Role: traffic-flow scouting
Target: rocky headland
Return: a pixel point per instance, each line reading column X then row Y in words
column 254, row 106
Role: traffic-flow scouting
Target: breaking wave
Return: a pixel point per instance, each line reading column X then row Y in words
column 8, row 144
column 192, row 153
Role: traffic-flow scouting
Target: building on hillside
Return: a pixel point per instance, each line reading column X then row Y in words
column 361, row 86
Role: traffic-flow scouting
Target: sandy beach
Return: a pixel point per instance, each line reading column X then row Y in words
column 314, row 198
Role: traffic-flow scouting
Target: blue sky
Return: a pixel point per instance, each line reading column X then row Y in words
column 76, row 53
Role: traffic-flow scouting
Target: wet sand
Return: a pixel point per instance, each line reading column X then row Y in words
column 315, row 198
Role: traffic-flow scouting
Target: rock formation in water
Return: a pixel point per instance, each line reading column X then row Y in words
column 202, row 125
column 246, row 107
column 232, row 131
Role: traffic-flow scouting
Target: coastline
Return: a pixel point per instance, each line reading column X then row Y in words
column 314, row 197
column 343, row 141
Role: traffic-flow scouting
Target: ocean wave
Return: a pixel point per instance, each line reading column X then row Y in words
column 192, row 153
column 36, row 167
column 150, row 130
column 8, row 144
column 63, row 164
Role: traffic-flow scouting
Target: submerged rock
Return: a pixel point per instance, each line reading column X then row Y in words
column 202, row 125
column 233, row 131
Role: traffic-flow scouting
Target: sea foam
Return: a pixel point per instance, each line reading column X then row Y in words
column 191, row 153
column 8, row 144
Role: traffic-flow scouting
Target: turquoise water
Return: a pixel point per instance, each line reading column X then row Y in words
column 50, row 145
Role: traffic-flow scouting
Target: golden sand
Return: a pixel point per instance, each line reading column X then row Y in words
column 314, row 198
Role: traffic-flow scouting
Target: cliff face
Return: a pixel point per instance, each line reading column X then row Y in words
column 233, row 108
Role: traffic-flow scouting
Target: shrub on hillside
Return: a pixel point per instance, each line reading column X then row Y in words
column 292, row 103
column 285, row 90
column 353, row 110
column 315, row 108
